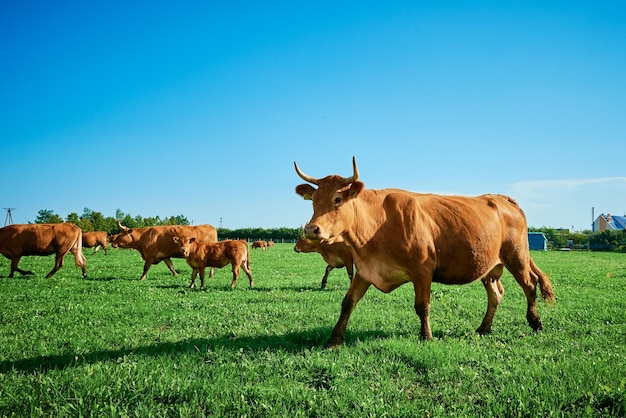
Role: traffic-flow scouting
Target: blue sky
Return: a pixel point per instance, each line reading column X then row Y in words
column 200, row 109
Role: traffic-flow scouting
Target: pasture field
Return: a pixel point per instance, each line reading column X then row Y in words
column 111, row 345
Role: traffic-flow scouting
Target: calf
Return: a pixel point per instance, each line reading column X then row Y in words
column 336, row 254
column 200, row 255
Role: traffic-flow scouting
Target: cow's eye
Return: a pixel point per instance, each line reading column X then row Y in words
column 337, row 201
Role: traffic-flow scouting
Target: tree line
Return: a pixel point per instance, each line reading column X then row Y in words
column 91, row 220
column 586, row 240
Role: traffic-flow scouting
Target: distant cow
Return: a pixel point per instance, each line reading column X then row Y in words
column 200, row 255
column 42, row 239
column 260, row 244
column 397, row 237
column 96, row 240
column 156, row 243
column 336, row 254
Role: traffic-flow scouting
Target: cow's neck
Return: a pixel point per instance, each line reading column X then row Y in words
column 368, row 218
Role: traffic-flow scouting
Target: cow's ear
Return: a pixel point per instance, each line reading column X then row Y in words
column 355, row 188
column 305, row 190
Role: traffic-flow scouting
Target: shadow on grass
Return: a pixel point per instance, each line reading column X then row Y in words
column 294, row 342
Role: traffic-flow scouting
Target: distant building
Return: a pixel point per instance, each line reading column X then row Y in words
column 609, row 222
column 537, row 241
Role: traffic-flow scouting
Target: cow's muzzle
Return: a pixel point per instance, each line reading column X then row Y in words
column 314, row 232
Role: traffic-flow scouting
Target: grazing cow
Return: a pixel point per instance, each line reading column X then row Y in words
column 113, row 239
column 42, row 239
column 260, row 244
column 156, row 243
column 270, row 244
column 336, row 254
column 398, row 236
column 96, row 240
column 200, row 255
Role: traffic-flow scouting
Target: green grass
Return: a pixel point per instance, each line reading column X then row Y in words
column 111, row 345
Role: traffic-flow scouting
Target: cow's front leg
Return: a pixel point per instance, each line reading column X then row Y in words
column 201, row 271
column 326, row 273
column 357, row 289
column 194, row 273
column 14, row 261
column 422, row 308
column 146, row 267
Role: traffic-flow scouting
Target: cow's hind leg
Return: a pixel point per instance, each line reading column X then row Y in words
column 520, row 269
column 495, row 292
column 14, row 261
column 236, row 272
column 170, row 265
column 357, row 289
column 58, row 263
column 79, row 259
column 246, row 268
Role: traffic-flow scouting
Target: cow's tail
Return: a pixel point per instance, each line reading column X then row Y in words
column 79, row 257
column 547, row 293
column 247, row 255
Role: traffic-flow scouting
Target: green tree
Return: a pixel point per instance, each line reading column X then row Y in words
column 46, row 216
column 73, row 218
column 607, row 240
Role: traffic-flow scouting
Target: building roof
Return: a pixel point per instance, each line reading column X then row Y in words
column 615, row 222
column 619, row 222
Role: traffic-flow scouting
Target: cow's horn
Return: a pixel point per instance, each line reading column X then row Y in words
column 304, row 177
column 355, row 175
column 122, row 227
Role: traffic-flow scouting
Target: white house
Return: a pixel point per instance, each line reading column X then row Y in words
column 609, row 222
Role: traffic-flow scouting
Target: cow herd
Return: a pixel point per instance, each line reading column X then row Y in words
column 391, row 236
column 197, row 244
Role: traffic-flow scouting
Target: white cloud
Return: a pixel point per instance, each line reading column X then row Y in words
column 569, row 202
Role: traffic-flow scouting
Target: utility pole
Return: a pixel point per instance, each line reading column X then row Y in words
column 9, row 218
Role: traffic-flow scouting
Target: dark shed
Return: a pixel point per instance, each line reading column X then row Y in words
column 537, row 241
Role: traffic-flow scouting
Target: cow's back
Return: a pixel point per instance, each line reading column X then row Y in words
column 203, row 233
column 160, row 239
column 467, row 233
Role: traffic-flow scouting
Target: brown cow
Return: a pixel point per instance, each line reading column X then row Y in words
column 260, row 244
column 398, row 236
column 156, row 243
column 42, row 239
column 200, row 255
column 96, row 240
column 336, row 254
